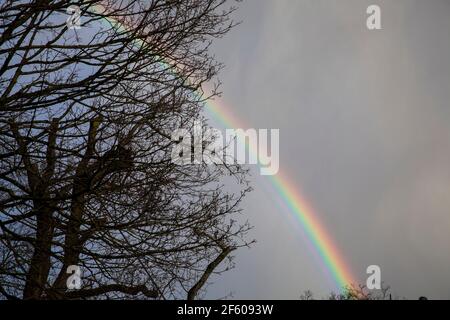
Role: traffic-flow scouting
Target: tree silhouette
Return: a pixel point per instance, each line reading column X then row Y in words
column 359, row 292
column 86, row 178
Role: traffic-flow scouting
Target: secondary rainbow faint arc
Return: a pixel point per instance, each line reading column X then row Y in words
column 285, row 187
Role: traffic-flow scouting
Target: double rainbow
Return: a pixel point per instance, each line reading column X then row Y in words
column 287, row 190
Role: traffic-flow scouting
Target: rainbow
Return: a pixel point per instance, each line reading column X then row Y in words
column 298, row 206
column 287, row 190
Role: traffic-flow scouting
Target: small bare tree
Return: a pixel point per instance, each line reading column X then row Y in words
column 353, row 292
column 86, row 177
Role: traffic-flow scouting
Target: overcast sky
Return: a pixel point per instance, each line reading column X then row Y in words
column 364, row 119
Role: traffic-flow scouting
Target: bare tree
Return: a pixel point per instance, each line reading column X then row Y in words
column 354, row 292
column 86, row 177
